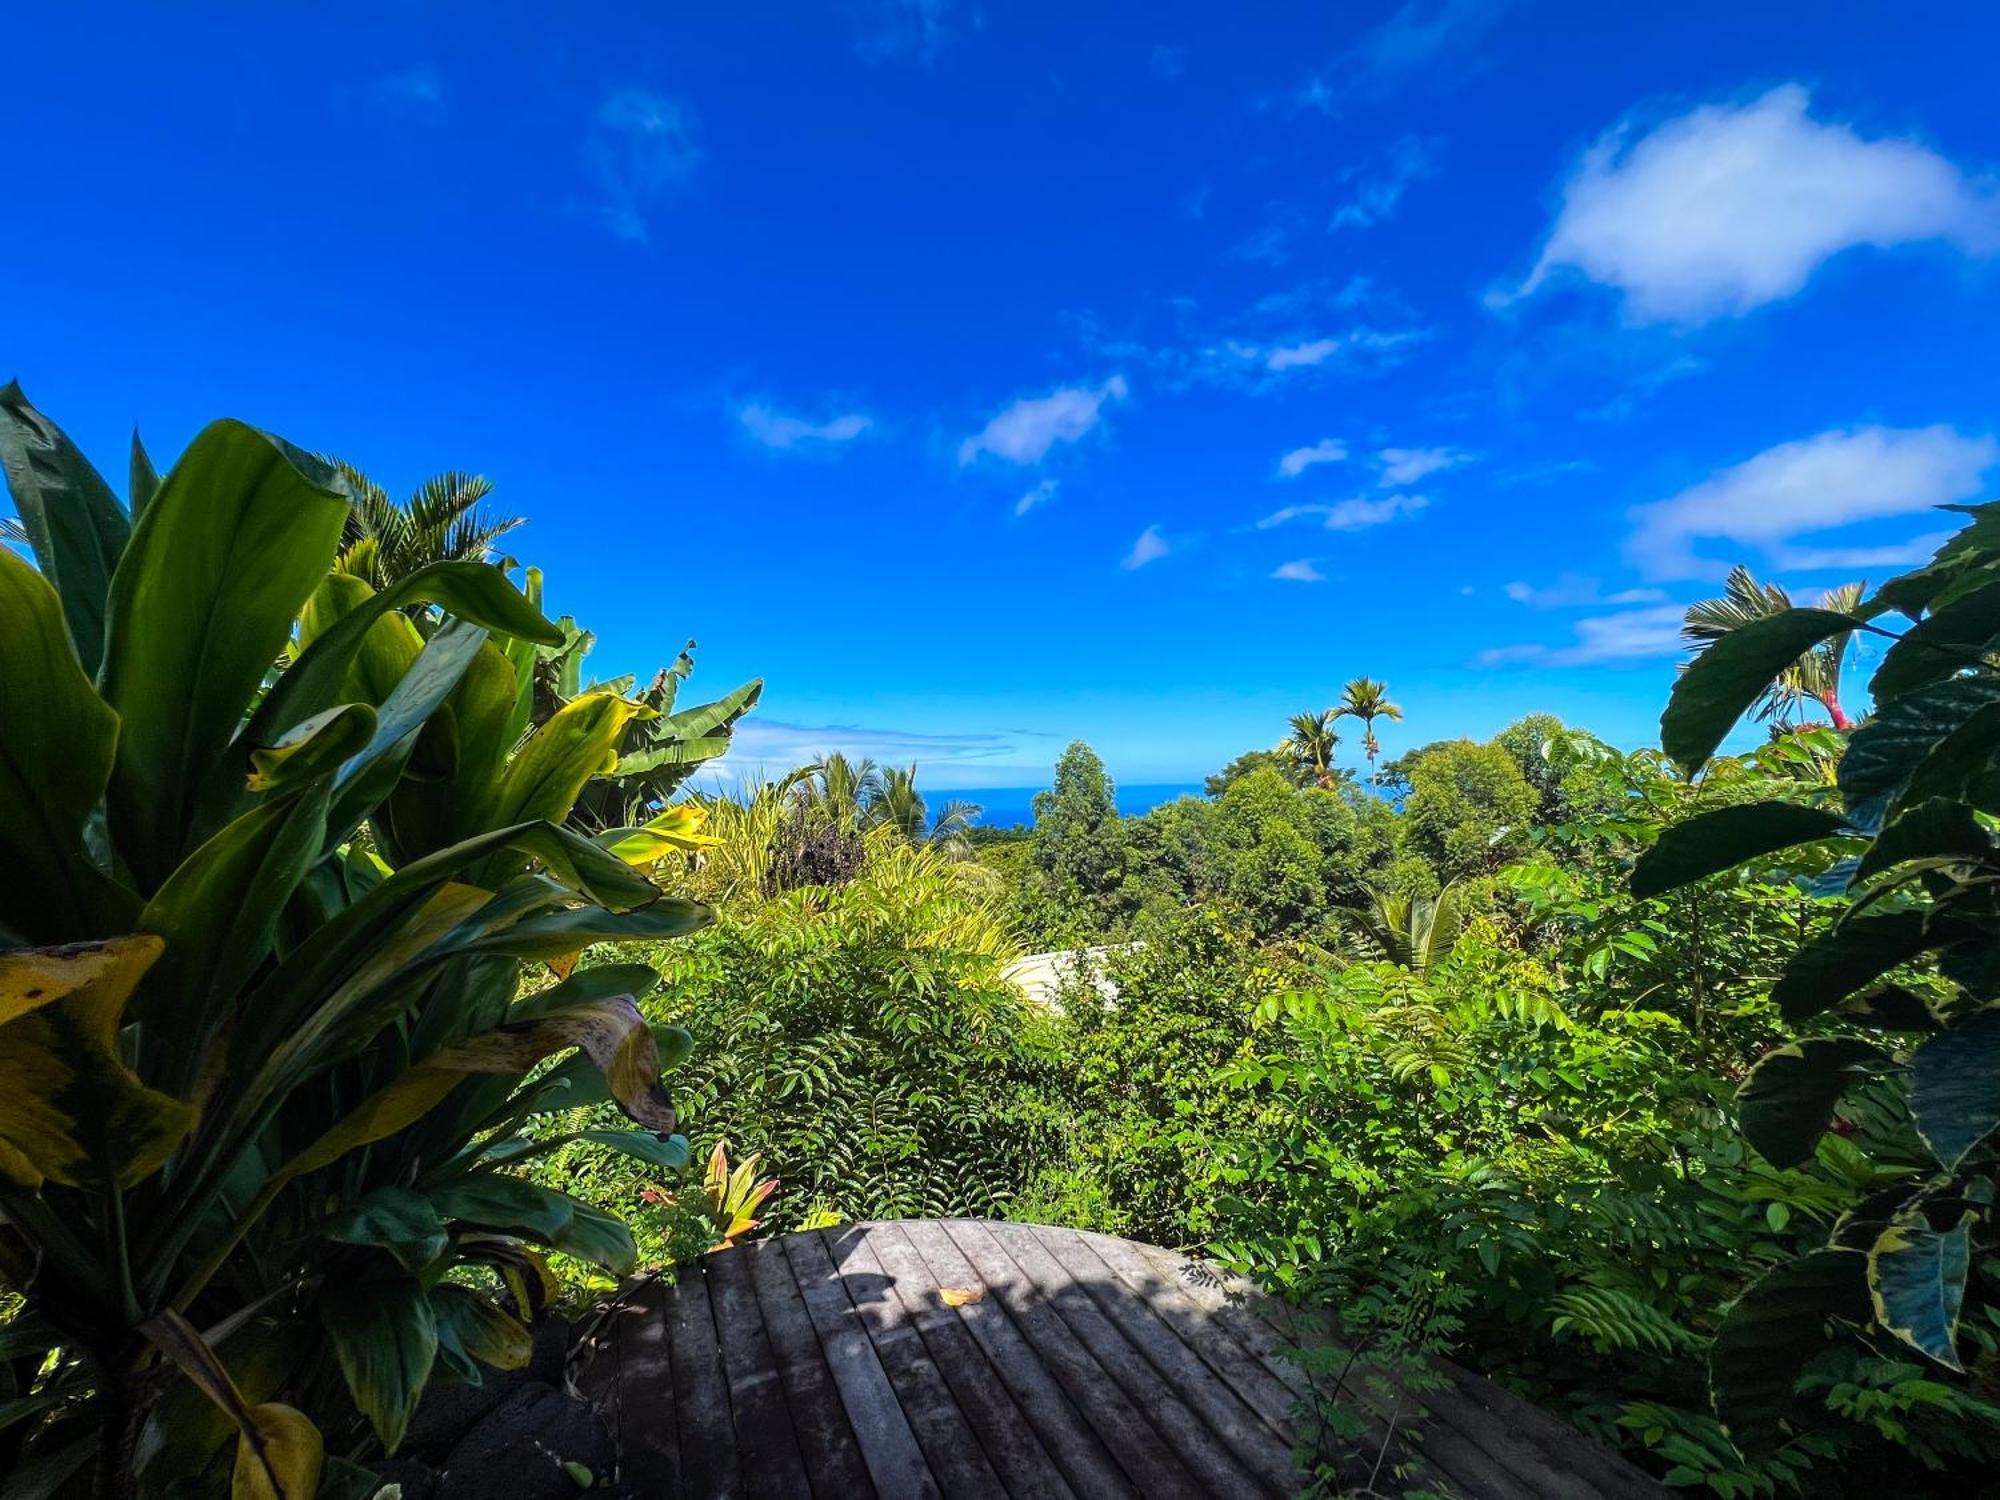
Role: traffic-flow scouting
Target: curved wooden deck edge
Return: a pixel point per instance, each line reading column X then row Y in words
column 978, row 1358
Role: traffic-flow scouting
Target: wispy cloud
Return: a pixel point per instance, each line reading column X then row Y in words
column 774, row 745
column 1401, row 466
column 1300, row 570
column 776, row 430
column 1325, row 451
column 1575, row 590
column 889, row 30
column 1356, row 514
column 1149, row 548
column 1730, row 207
column 1041, row 494
column 1026, row 430
column 1630, row 635
column 641, row 147
column 1804, row 488
column 415, row 91
column 1376, row 193
column 1425, row 39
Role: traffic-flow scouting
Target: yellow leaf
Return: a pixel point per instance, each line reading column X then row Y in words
column 70, row 1110
column 279, row 1454
column 959, row 1296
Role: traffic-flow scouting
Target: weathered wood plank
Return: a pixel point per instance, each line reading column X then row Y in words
column 773, row 1467
column 627, row 1372
column 1067, row 1436
column 888, row 1446
column 1244, row 1373
column 709, row 1470
column 1011, row 1446
column 1134, row 1430
column 956, row 1456
column 1536, row 1444
column 833, row 1456
column 1249, row 1441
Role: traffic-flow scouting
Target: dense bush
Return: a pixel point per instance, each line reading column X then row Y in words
column 274, row 849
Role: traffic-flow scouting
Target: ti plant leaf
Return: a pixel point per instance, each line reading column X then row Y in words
column 385, row 1337
column 279, row 1452
column 1856, row 953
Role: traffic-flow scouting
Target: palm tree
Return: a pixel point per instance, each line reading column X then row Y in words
column 1312, row 742
column 1412, row 932
column 1815, row 676
column 844, row 790
column 899, row 805
column 386, row 540
column 1367, row 700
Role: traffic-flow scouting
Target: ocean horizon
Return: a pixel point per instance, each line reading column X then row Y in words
column 1009, row 806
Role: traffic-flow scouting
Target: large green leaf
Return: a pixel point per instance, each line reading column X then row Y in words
column 697, row 723
column 74, row 523
column 497, row 1201
column 1857, row 952
column 395, row 1219
column 580, row 741
column 1938, row 828
column 219, row 912
column 1916, row 1281
column 1711, row 842
column 279, row 1452
column 57, row 740
column 71, row 1110
column 1769, row 1336
column 1787, row 1101
column 1720, row 684
column 474, row 1331
column 600, row 1238
column 1939, row 646
column 1955, row 1087
column 560, row 933
column 1885, row 753
column 202, row 603
column 385, row 1337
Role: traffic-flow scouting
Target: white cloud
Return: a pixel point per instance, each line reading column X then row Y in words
column 1238, row 355
column 1150, row 547
column 1728, row 207
column 776, row 746
column 1630, row 635
column 1039, row 495
column 1377, row 195
column 1025, row 431
column 1325, row 451
column 775, row 430
column 1357, row 514
column 1802, row 488
column 1897, row 555
column 1574, row 590
column 1299, row 571
column 642, row 145
column 889, row 29
column 1401, row 466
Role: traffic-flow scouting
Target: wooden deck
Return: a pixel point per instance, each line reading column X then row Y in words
column 967, row 1357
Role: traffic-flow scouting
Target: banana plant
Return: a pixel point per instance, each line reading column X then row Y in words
column 1901, row 993
column 272, row 861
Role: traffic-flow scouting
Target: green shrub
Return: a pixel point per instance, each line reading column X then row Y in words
column 271, row 860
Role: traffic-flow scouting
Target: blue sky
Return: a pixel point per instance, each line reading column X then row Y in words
column 990, row 376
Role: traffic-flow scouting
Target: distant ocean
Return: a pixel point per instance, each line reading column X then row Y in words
column 1004, row 806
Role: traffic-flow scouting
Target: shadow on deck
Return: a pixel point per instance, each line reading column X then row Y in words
column 963, row 1357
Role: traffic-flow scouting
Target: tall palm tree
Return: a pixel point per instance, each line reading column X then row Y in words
column 444, row 521
column 1312, row 742
column 1814, row 677
column 1367, row 699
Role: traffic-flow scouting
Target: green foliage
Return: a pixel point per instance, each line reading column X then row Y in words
column 1916, row 787
column 268, row 878
column 1469, row 808
column 861, row 1039
column 1079, row 841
